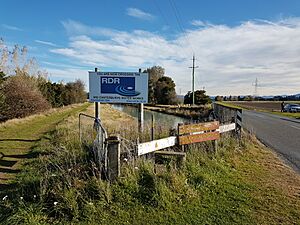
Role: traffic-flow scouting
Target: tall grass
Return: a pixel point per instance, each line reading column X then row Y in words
column 62, row 186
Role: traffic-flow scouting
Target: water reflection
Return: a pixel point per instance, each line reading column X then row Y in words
column 161, row 119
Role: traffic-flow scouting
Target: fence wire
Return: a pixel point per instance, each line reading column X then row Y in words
column 128, row 149
column 93, row 135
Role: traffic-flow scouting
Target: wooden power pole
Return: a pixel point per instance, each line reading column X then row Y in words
column 193, row 78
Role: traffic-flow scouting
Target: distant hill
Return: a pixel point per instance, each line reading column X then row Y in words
column 269, row 97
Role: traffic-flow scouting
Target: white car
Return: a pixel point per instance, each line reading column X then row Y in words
column 291, row 108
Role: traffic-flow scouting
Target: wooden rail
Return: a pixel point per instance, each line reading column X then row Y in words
column 195, row 133
column 187, row 134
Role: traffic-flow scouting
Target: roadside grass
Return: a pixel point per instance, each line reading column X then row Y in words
column 230, row 105
column 242, row 183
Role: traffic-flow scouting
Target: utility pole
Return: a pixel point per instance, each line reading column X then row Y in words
column 255, row 88
column 193, row 78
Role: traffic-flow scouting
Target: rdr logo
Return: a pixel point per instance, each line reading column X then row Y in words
column 124, row 86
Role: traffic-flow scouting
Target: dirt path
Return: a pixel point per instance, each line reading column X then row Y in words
column 19, row 136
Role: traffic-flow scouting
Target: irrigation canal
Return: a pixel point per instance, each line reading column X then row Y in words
column 160, row 118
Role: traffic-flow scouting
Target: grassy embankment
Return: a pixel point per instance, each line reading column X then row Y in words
column 243, row 183
column 18, row 136
column 259, row 106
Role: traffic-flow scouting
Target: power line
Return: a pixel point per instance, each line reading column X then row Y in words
column 161, row 12
column 176, row 13
column 184, row 35
column 180, row 24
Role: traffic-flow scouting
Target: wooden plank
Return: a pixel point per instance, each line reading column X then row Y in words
column 196, row 138
column 155, row 145
column 192, row 128
column 227, row 127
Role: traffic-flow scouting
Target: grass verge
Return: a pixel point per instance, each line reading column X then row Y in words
column 18, row 136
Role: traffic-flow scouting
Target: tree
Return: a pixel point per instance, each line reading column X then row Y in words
column 74, row 93
column 155, row 73
column 22, row 97
column 219, row 98
column 2, row 79
column 165, row 91
column 26, row 90
column 53, row 92
column 248, row 98
column 200, row 98
column 241, row 98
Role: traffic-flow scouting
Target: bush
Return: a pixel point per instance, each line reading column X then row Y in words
column 21, row 98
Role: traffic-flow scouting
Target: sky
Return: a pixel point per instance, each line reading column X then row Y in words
column 234, row 41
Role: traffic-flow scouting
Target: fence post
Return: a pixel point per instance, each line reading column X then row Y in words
column 113, row 155
column 178, row 134
column 215, row 146
column 152, row 127
column 239, row 122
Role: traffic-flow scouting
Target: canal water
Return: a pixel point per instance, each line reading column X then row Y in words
column 162, row 119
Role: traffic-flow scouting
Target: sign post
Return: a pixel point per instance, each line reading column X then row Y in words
column 96, row 104
column 141, row 117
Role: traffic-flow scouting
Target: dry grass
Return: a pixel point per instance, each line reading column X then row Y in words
column 17, row 121
column 243, row 183
column 18, row 136
column 277, row 191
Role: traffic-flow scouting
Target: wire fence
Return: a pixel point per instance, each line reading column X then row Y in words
column 93, row 136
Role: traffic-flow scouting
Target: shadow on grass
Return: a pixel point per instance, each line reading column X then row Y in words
column 20, row 139
column 29, row 155
column 11, row 171
column 7, row 163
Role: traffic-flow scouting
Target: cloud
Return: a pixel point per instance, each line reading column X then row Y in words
column 229, row 58
column 46, row 43
column 200, row 23
column 67, row 74
column 137, row 13
column 9, row 27
column 74, row 28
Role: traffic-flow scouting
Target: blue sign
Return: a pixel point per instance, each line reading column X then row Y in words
column 118, row 87
column 124, row 86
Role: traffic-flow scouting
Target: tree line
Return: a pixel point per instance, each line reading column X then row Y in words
column 258, row 98
column 161, row 89
column 25, row 90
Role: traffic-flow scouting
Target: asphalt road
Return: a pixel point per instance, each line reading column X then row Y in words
column 280, row 133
